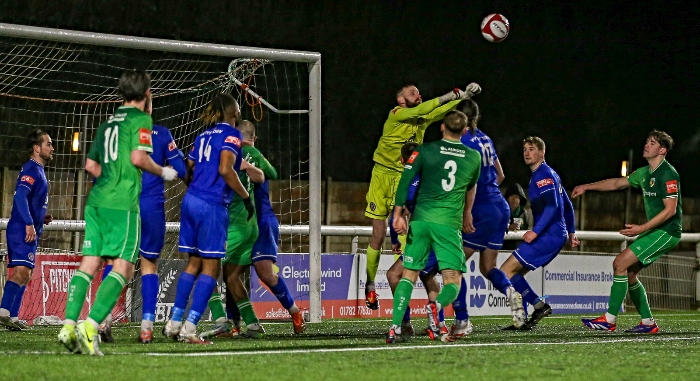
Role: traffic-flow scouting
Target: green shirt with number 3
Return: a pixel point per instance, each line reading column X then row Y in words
column 447, row 170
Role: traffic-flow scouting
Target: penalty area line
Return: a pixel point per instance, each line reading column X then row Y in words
column 406, row 347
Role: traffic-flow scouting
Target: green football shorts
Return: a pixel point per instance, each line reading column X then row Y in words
column 112, row 233
column 651, row 246
column 444, row 240
column 239, row 245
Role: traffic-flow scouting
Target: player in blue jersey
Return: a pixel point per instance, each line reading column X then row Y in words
column 152, row 203
column 489, row 219
column 26, row 223
column 427, row 275
column 554, row 224
column 262, row 254
column 152, row 206
column 212, row 166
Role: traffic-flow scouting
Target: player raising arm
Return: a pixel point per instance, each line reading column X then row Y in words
column 116, row 158
column 661, row 188
column 407, row 122
column 448, row 171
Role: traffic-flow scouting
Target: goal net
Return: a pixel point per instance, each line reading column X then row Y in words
column 64, row 83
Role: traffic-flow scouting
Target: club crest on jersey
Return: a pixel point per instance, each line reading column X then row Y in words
column 545, row 182
column 372, row 206
column 27, row 179
column 672, row 186
column 234, row 140
column 413, row 157
column 652, row 182
column 144, row 136
column 171, row 146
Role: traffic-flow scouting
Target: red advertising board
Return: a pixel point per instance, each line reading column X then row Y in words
column 46, row 292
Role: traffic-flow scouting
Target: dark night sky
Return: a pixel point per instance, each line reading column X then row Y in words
column 590, row 78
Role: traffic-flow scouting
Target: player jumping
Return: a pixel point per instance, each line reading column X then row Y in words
column 407, row 122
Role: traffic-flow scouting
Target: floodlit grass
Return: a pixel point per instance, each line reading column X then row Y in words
column 560, row 348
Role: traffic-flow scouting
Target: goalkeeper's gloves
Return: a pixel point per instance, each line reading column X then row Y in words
column 452, row 95
column 168, row 174
column 472, row 89
column 249, row 206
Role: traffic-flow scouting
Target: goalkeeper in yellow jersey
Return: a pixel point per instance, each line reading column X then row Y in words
column 407, row 122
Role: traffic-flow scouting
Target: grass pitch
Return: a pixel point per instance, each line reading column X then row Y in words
column 560, row 348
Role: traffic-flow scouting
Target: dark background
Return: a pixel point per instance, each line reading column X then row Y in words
column 590, row 78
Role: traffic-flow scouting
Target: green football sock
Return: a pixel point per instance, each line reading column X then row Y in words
column 372, row 263
column 77, row 290
column 639, row 297
column 107, row 296
column 247, row 312
column 448, row 294
column 216, row 307
column 402, row 295
column 618, row 291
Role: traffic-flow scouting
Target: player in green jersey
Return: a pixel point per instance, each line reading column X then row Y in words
column 449, row 171
column 662, row 201
column 116, row 158
column 407, row 122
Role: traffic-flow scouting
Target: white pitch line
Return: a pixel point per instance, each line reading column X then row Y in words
column 406, row 347
column 362, row 349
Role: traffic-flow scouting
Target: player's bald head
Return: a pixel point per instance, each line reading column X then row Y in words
column 247, row 129
column 455, row 122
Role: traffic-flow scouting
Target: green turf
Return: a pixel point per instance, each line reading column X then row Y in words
column 560, row 348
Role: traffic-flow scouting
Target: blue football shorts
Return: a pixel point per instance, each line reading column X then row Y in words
column 203, row 227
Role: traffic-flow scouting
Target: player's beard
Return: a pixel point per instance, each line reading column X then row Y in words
column 46, row 158
column 413, row 104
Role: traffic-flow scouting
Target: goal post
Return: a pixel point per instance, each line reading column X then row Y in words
column 37, row 67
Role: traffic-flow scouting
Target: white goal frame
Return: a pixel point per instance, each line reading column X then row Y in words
column 313, row 59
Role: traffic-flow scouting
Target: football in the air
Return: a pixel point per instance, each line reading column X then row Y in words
column 495, row 27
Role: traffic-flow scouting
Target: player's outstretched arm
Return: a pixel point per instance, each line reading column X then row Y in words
column 141, row 159
column 602, row 186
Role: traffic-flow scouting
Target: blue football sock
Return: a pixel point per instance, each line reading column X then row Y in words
column 9, row 295
column 460, row 304
column 184, row 287
column 441, row 315
column 14, row 312
column 149, row 293
column 106, row 271
column 499, row 280
column 407, row 314
column 200, row 299
column 282, row 293
column 521, row 286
